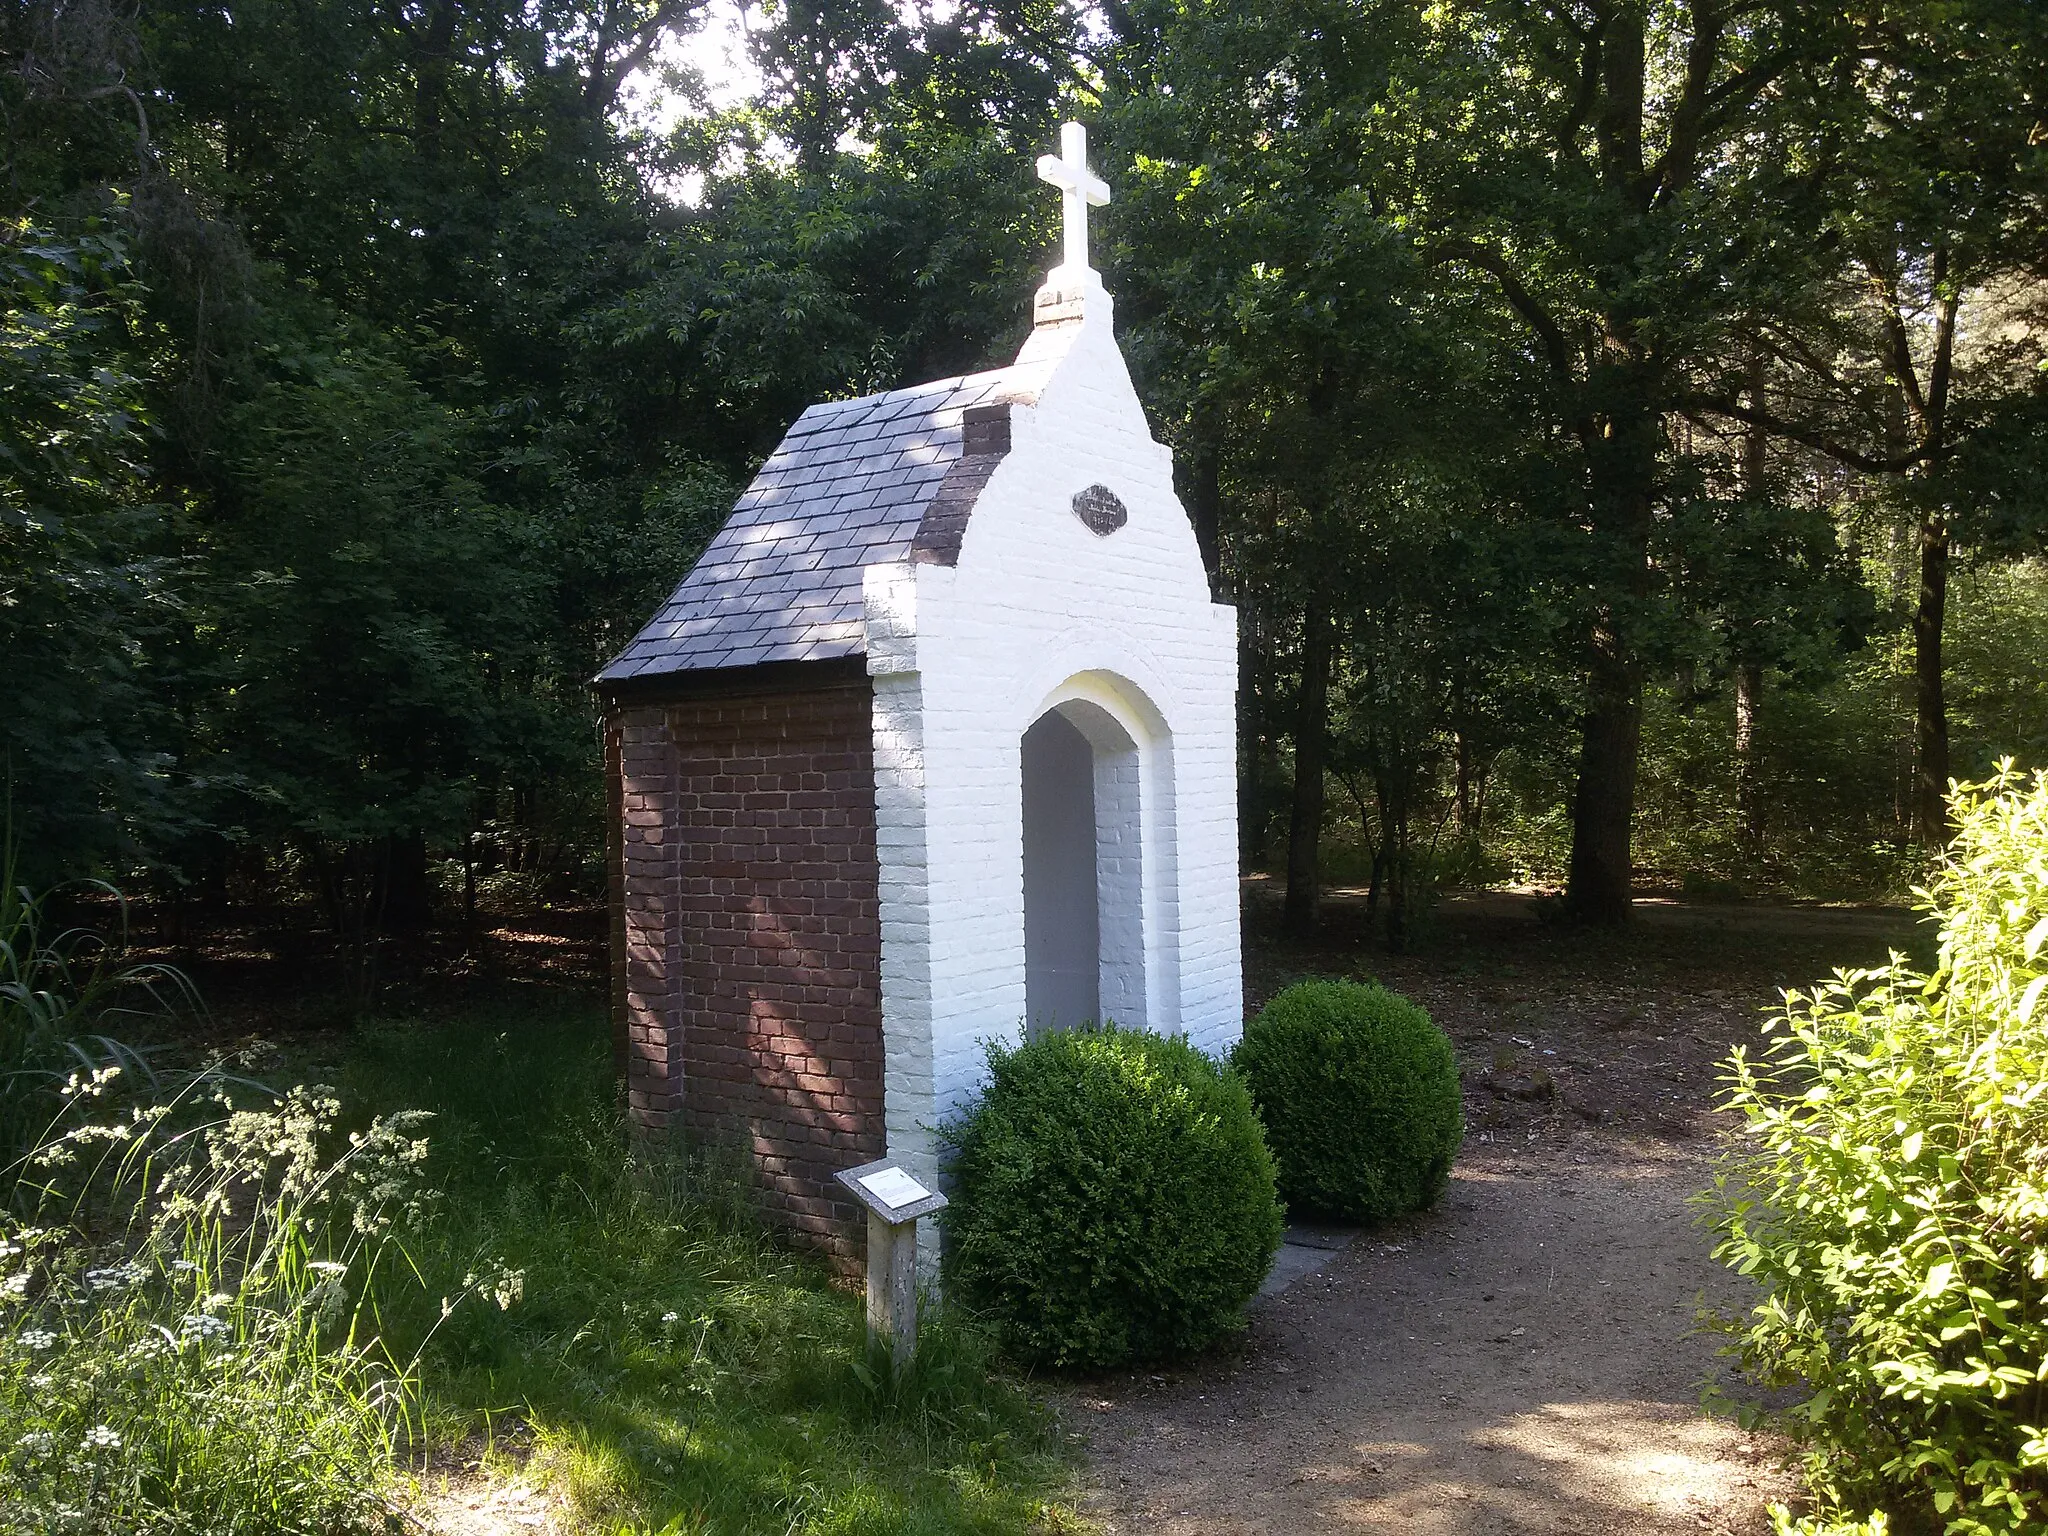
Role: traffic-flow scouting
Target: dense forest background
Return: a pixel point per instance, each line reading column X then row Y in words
column 1622, row 426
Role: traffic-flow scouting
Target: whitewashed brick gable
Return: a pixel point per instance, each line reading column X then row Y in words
column 1040, row 611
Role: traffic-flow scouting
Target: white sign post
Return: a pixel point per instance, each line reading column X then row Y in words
column 894, row 1201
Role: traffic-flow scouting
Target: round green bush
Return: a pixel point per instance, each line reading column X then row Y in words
column 1114, row 1199
column 1359, row 1093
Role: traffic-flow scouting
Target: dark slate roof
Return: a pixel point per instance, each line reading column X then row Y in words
column 848, row 487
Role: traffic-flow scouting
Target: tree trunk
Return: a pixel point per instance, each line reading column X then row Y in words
column 1930, row 714
column 403, row 899
column 1599, row 886
column 1467, row 821
column 1623, row 459
column 1311, row 732
column 1930, row 722
column 1205, row 497
column 1749, row 674
column 433, row 62
column 1749, row 800
column 1257, row 764
column 1398, row 849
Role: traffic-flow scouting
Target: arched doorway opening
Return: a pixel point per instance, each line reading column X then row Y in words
column 1084, row 939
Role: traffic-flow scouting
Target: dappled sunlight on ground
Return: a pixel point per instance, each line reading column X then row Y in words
column 1526, row 1358
column 1562, row 1467
column 464, row 1491
column 1522, row 1360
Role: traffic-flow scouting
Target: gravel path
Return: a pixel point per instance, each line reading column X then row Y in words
column 1519, row 1360
column 1523, row 1358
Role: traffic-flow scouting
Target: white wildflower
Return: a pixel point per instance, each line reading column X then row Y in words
column 326, row 1267
column 38, row 1442
column 671, row 1317
column 102, row 1437
column 506, row 1287
column 92, row 1087
column 183, row 1266
column 205, row 1327
column 38, row 1339
column 15, row 1284
column 116, row 1277
column 42, row 1381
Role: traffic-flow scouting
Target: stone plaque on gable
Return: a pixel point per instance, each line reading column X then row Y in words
column 1099, row 510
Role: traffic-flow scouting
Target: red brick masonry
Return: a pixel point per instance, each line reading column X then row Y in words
column 747, row 917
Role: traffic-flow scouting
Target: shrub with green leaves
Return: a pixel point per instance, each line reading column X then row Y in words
column 1114, row 1200
column 1785, row 1523
column 1892, row 1200
column 1358, row 1090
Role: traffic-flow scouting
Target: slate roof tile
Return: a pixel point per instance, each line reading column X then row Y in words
column 845, row 489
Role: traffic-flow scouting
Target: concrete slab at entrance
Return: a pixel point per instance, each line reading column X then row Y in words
column 1305, row 1247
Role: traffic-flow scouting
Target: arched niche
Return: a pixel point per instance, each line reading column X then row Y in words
column 1096, row 774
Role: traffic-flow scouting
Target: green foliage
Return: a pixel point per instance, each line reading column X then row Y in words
column 667, row 1361
column 59, row 995
column 1358, row 1090
column 368, row 388
column 1891, row 1199
column 1487, row 266
column 364, row 691
column 1998, row 695
column 1765, row 583
column 184, row 1348
column 1783, row 1523
column 1115, row 1199
column 366, row 383
column 81, row 586
column 1832, row 757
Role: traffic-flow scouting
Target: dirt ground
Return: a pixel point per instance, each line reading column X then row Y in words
column 1524, row 1357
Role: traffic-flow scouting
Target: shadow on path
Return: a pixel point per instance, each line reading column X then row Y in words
column 1520, row 1360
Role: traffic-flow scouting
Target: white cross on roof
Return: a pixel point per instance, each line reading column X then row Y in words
column 1079, row 187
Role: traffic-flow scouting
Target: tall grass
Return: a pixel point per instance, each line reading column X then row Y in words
column 183, row 1339
column 239, row 1311
column 185, row 1345
column 69, row 1001
column 662, row 1360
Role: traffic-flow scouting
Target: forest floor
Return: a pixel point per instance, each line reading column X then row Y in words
column 1524, row 1358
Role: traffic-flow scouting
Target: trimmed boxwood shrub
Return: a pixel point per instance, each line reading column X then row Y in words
column 1114, row 1200
column 1359, row 1093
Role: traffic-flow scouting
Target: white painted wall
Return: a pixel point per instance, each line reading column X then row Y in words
column 1118, row 631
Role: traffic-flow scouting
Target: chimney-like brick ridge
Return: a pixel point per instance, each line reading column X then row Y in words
column 984, row 440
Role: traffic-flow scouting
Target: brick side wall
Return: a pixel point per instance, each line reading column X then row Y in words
column 752, row 936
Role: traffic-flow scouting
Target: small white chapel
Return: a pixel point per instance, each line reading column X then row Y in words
column 934, row 746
